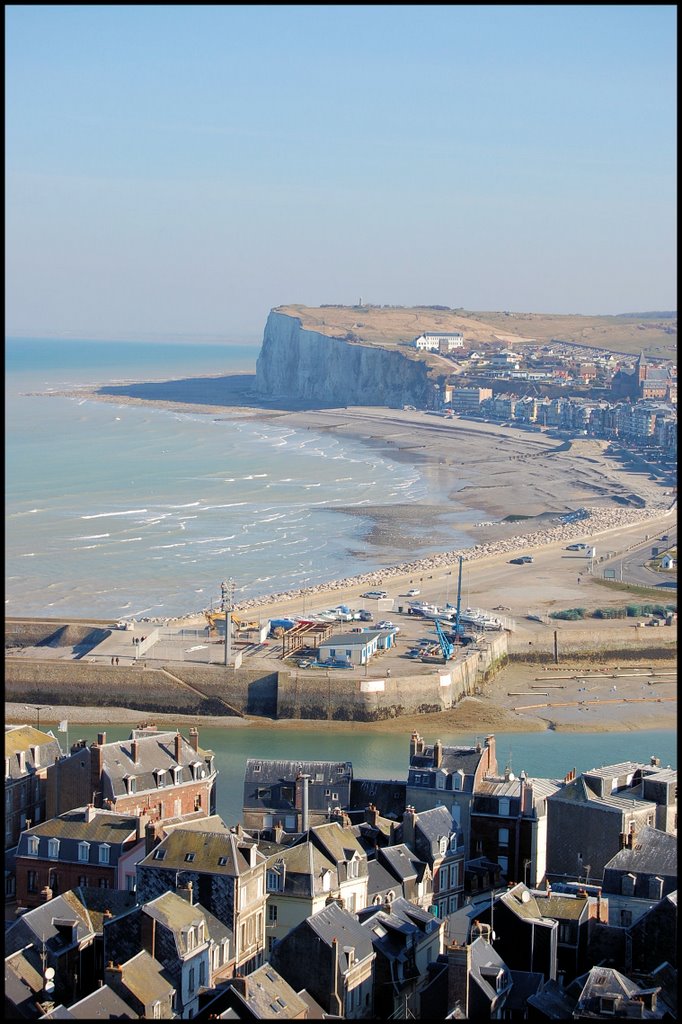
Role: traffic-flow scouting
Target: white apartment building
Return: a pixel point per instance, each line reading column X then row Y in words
column 439, row 342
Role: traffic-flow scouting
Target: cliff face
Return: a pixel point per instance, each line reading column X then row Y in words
column 302, row 364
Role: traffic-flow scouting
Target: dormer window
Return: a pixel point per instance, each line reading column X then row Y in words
column 33, row 845
column 159, row 854
column 160, row 776
column 84, row 851
column 273, row 881
column 53, row 848
column 326, row 880
column 189, row 857
column 130, row 783
column 353, row 868
column 104, row 853
column 177, row 774
column 443, row 844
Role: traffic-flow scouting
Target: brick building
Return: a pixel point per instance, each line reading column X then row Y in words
column 161, row 774
column 83, row 847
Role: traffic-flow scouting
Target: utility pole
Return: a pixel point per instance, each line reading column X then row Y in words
column 556, row 648
column 226, row 603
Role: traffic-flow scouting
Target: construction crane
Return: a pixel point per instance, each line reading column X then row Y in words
column 445, row 645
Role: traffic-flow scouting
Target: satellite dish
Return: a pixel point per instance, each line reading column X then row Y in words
column 49, row 973
column 525, row 896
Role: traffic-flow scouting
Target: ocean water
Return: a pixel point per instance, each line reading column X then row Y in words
column 127, row 511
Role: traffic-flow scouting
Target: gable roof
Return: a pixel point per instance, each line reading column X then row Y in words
column 334, row 923
column 654, row 852
column 209, row 849
column 305, row 866
column 146, row 978
column 104, row 827
column 268, row 995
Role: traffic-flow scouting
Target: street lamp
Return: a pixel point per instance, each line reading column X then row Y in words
column 38, row 709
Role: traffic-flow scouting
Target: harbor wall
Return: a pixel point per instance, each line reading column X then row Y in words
column 216, row 690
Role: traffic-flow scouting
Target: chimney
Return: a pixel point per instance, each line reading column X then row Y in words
column 416, row 744
column 96, row 770
column 89, row 813
column 101, row 738
column 177, row 747
column 459, row 970
column 655, row 761
column 150, row 838
column 185, row 892
column 46, row 894
column 437, row 754
column 305, row 823
column 622, row 841
column 409, row 822
column 135, row 751
column 491, row 765
column 335, row 1001
column 194, row 739
column 140, row 828
column 238, row 982
column 371, row 815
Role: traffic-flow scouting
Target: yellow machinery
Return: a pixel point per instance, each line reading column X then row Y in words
column 216, row 620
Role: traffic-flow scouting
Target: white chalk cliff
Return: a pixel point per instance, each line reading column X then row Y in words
column 298, row 363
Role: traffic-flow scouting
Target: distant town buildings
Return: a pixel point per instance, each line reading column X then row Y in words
column 439, row 342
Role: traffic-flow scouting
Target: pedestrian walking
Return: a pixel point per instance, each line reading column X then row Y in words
column 112, row 661
column 117, row 661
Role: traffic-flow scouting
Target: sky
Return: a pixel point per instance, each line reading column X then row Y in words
column 177, row 171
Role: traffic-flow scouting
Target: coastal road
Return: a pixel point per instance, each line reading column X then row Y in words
column 633, row 568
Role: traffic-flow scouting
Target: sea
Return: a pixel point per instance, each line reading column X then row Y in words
column 121, row 511
column 385, row 755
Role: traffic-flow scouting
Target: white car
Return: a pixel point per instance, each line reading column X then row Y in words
column 413, row 593
column 386, row 624
column 376, row 594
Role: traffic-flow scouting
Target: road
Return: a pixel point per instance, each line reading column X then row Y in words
column 632, row 568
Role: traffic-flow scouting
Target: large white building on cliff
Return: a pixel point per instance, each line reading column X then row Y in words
column 439, row 342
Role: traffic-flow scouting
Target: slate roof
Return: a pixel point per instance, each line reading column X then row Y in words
column 553, row 1001
column 333, row 922
column 40, row 923
column 561, row 906
column 486, row 964
column 386, row 795
column 71, row 829
column 526, row 909
column 208, row 848
column 176, row 914
column 155, row 751
column 603, row 981
column 453, row 759
column 23, row 738
column 401, row 862
column 579, row 792
column 23, row 977
column 339, row 843
column 326, row 778
column 146, row 978
column 305, row 865
column 654, row 853
column 542, row 788
column 95, row 902
column 102, row 1004
column 269, row 996
column 379, row 881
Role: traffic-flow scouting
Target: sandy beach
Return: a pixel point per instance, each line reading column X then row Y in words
column 477, row 474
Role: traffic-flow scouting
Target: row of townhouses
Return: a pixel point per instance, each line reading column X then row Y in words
column 459, row 891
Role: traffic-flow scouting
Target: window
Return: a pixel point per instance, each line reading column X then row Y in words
column 443, row 844
column 104, row 883
column 504, row 864
column 130, row 883
column 33, row 881
column 159, row 854
column 53, row 848
column 625, row 918
column 222, row 861
column 84, row 851
column 353, row 868
column 503, row 806
column 104, row 853
column 82, row 880
column 189, row 857
column 161, row 777
column 272, row 913
column 191, row 979
column 564, row 932
column 33, row 845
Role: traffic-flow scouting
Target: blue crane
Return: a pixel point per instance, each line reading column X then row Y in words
column 445, row 645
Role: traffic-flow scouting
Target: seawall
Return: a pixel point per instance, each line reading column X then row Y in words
column 216, row 690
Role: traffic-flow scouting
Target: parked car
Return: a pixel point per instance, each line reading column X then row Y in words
column 387, row 624
column 573, row 547
column 374, row 594
column 527, row 558
column 413, row 593
column 517, row 561
column 303, row 663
